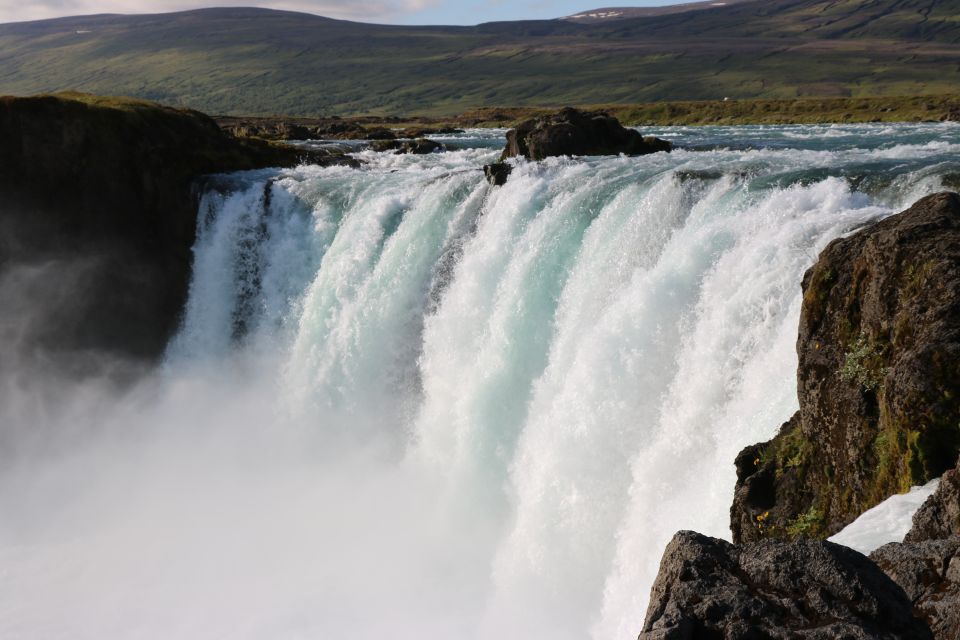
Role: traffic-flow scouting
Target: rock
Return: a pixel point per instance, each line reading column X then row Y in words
column 939, row 516
column 497, row 173
column 576, row 133
column 378, row 133
column 107, row 188
column 266, row 128
column 352, row 131
column 807, row 589
column 422, row 132
column 878, row 380
column 340, row 130
column 929, row 573
column 421, row 146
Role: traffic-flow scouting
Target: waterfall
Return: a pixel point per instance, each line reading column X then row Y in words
column 423, row 405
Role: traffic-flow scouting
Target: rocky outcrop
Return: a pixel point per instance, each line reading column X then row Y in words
column 420, row 146
column 577, row 133
column 878, row 380
column 709, row 588
column 926, row 564
column 929, row 574
column 107, row 188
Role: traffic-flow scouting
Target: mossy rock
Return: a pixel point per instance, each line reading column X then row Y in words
column 878, row 379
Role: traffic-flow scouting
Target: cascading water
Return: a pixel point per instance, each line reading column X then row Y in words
column 404, row 401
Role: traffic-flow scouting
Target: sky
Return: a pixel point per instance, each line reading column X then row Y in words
column 382, row 11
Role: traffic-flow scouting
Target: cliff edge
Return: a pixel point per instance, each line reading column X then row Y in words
column 878, row 380
column 100, row 194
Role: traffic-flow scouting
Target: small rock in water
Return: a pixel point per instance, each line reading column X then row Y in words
column 497, row 173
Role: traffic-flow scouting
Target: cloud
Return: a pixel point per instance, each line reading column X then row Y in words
column 365, row 10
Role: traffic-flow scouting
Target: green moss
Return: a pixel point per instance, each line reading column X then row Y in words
column 793, row 451
column 917, row 278
column 809, row 524
column 864, row 363
column 818, row 291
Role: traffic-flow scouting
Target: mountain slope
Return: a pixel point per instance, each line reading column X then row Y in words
column 608, row 14
column 259, row 61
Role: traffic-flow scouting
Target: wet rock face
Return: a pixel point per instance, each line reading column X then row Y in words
column 709, row 588
column 107, row 188
column 929, row 573
column 576, row 133
column 878, row 380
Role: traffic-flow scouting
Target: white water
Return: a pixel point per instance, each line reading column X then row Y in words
column 889, row 521
column 405, row 402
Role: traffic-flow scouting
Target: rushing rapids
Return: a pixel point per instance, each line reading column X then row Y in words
column 406, row 402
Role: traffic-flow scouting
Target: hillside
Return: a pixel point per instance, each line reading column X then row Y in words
column 257, row 61
column 624, row 13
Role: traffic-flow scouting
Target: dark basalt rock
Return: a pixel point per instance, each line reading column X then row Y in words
column 878, row 380
column 423, row 132
column 332, row 128
column 576, row 133
column 939, row 516
column 497, row 173
column 709, row 588
column 929, row 573
column 378, row 133
column 421, row 146
column 107, row 190
column 926, row 564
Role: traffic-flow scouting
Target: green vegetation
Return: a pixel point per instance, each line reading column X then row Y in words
column 735, row 112
column 768, row 58
column 864, row 363
column 809, row 524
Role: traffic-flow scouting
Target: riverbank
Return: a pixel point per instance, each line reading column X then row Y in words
column 933, row 108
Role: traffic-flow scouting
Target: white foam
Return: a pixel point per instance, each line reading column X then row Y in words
column 889, row 521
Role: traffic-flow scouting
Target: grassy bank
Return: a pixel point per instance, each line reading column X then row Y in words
column 738, row 112
column 714, row 112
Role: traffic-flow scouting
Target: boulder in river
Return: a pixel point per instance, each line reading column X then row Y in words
column 420, row 146
column 577, row 133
